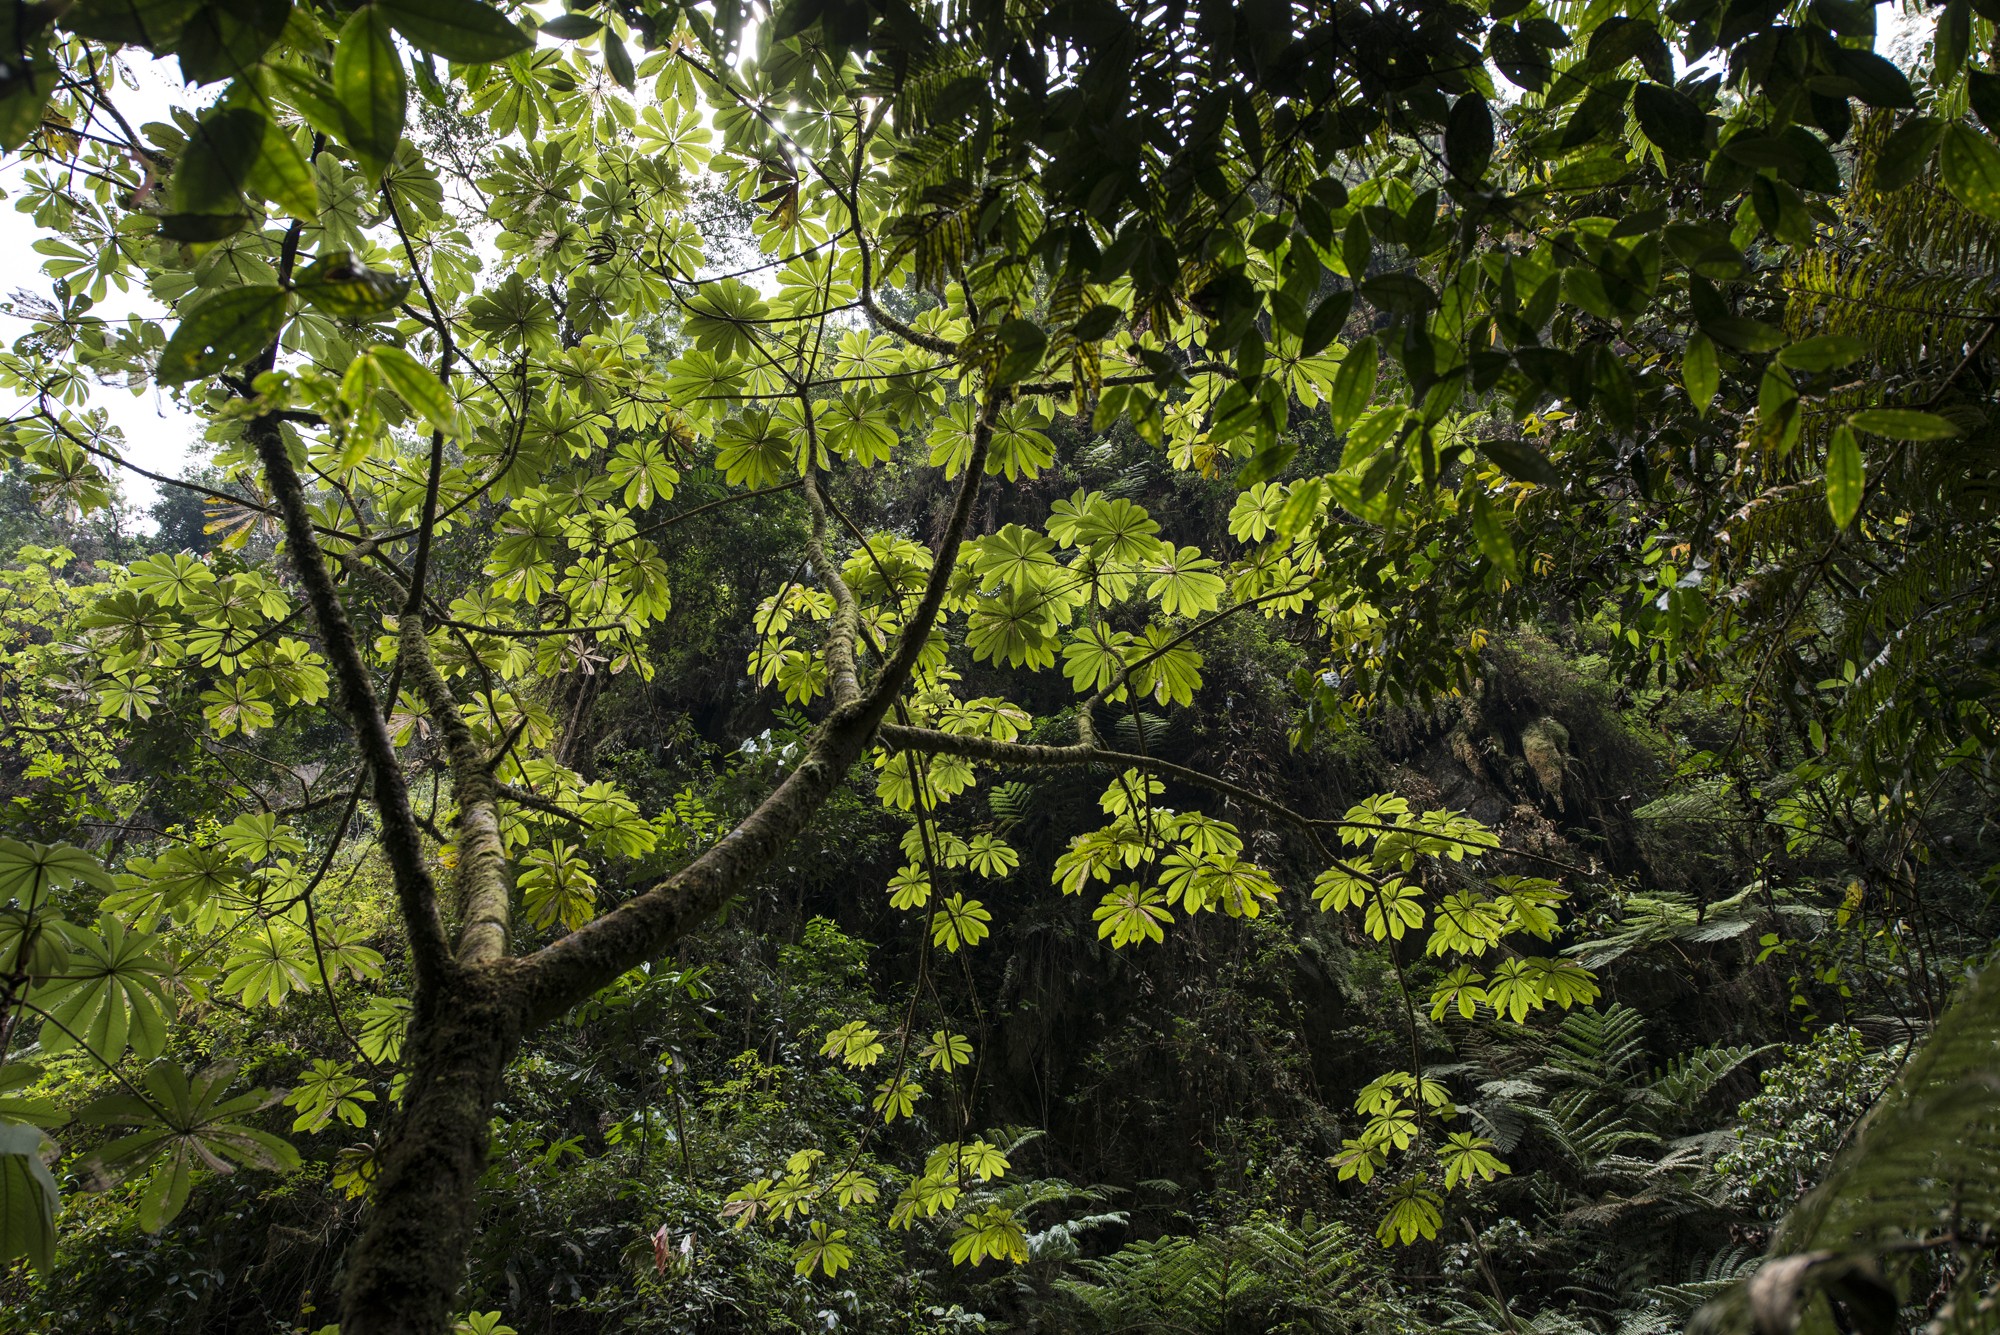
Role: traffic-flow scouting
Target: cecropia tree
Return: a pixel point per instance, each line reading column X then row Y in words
column 464, row 353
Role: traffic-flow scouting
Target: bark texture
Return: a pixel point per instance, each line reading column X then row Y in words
column 404, row 1275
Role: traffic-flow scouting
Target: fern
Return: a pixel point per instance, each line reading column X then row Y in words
column 1688, row 1078
column 1261, row 1274
column 1599, row 1047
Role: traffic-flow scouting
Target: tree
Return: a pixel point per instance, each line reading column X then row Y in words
column 1219, row 228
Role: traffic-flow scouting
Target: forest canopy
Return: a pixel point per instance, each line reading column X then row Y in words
column 1034, row 666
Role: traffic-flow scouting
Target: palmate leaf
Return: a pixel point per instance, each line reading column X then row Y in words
column 1015, row 557
column 1018, row 449
column 29, row 872
column 1132, row 913
column 1414, row 1211
column 381, row 1028
column 857, row 428
column 946, row 1051
column 823, row 1251
column 1173, row 675
column 1184, row 582
column 271, row 961
column 896, row 1097
column 751, row 451
column 112, row 991
column 960, row 922
column 1466, row 1156
column 991, row 1232
column 1094, row 658
column 645, row 473
column 1392, row 909
column 186, row 1125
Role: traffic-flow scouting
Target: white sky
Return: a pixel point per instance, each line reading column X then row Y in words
column 158, row 434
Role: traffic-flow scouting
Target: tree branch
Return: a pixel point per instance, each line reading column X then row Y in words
column 570, row 970
column 416, row 895
column 479, row 876
column 843, row 675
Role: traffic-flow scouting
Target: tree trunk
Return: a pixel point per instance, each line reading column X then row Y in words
column 405, row 1273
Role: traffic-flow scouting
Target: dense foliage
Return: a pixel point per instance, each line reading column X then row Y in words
column 1237, row 667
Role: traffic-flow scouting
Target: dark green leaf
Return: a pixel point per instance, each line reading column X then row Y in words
column 281, row 174
column 1521, row 459
column 416, row 386
column 223, row 40
column 153, row 24
column 1356, row 248
column 461, row 30
column 1748, row 335
column 796, row 17
column 1268, row 461
column 1907, row 152
column 1023, row 342
column 1875, row 81
column 1902, row 424
column 1468, row 137
column 28, row 1198
column 572, row 27
column 1602, row 111
column 1831, row 114
column 1096, row 323
column 314, row 99
column 223, row 330
column 368, row 80
column 618, row 63
column 1970, row 165
column 346, row 290
column 1954, row 37
column 1701, row 374
column 1401, row 291
column 1525, row 63
column 32, row 78
column 1671, row 120
column 1845, row 477
column 1828, row 352
column 1353, row 384
column 1490, row 531
column 1782, row 210
column 1326, row 322
column 209, row 177
column 197, row 229
column 1983, row 91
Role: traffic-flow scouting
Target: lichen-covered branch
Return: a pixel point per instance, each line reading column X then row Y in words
column 416, row 895
column 479, row 879
column 843, row 676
